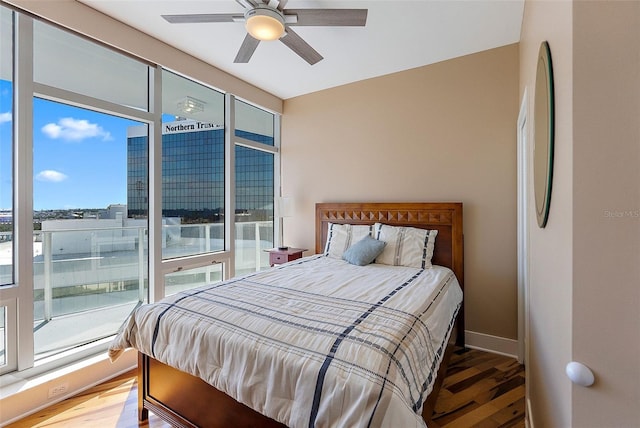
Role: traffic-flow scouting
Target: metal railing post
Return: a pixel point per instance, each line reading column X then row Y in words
column 47, row 254
column 141, row 295
column 257, row 245
column 207, row 237
column 95, row 252
column 237, row 245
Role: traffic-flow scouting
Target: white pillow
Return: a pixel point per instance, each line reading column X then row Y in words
column 406, row 246
column 341, row 236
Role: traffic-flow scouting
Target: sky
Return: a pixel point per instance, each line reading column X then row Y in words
column 79, row 156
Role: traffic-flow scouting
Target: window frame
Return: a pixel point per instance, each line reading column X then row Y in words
column 18, row 300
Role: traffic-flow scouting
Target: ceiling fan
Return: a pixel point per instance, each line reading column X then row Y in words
column 269, row 20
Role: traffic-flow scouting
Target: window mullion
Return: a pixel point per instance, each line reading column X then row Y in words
column 277, row 177
column 254, row 145
column 156, row 277
column 80, row 100
column 229, row 183
column 23, row 187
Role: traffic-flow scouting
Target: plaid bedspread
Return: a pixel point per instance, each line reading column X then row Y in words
column 314, row 342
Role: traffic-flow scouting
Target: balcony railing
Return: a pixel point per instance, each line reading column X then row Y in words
column 87, row 280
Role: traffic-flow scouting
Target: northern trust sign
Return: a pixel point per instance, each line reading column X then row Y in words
column 177, row 127
column 187, row 126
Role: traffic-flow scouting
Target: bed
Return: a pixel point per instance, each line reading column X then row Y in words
column 366, row 350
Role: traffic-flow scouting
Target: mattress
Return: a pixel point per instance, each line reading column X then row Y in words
column 313, row 342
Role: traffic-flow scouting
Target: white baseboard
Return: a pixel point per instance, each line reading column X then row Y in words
column 489, row 343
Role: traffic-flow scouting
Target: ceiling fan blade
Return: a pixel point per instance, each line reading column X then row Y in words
column 203, row 17
column 329, row 17
column 247, row 4
column 247, row 49
column 299, row 46
column 282, row 5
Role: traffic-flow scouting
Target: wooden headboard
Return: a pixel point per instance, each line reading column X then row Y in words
column 444, row 216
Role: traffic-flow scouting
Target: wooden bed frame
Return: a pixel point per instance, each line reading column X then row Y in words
column 184, row 400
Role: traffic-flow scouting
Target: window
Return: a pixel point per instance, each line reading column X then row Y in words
column 66, row 61
column 254, row 208
column 254, row 124
column 80, row 182
column 69, row 156
column 90, row 256
column 193, row 187
column 254, row 168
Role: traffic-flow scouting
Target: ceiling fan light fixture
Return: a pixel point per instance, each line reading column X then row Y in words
column 191, row 105
column 264, row 23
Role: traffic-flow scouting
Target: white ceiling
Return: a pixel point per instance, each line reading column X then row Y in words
column 399, row 35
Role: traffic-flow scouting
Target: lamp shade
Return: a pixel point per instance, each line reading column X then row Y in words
column 264, row 23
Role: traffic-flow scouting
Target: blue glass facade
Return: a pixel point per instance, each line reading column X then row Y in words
column 137, row 176
column 193, row 174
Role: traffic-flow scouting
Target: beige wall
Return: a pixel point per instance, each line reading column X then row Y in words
column 445, row 132
column 606, row 206
column 550, row 251
column 584, row 277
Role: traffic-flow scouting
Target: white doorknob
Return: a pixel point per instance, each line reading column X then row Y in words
column 580, row 374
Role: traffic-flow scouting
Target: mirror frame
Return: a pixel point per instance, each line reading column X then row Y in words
column 544, row 134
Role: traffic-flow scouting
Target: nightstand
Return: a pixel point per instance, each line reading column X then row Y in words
column 277, row 256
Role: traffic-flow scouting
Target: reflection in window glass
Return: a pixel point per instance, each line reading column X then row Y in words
column 192, row 168
column 6, row 142
column 254, row 124
column 90, row 256
column 187, row 279
column 254, row 209
column 254, row 189
column 63, row 60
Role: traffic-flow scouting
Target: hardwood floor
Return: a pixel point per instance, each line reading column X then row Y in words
column 480, row 390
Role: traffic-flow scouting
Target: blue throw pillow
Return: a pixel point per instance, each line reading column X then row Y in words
column 364, row 251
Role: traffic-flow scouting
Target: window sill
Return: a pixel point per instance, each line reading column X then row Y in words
column 26, row 392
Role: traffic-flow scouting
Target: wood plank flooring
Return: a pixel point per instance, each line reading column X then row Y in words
column 480, row 390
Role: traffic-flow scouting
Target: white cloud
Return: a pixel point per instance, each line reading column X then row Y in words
column 51, row 176
column 70, row 129
column 5, row 117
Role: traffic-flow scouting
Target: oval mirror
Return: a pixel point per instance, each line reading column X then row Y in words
column 543, row 134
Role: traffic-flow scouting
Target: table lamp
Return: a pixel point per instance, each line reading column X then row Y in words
column 282, row 207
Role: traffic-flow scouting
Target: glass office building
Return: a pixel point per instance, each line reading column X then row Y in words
column 193, row 174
